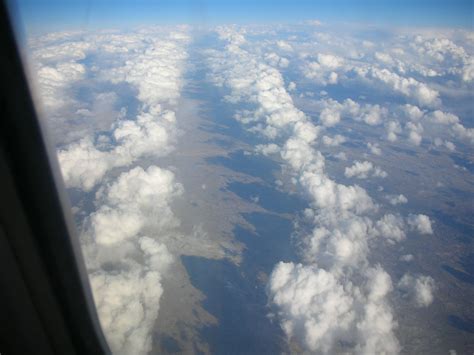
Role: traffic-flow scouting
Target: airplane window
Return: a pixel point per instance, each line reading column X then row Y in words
column 266, row 177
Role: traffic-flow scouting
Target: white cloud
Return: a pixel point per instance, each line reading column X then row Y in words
column 284, row 46
column 276, row 61
column 128, row 300
column 329, row 117
column 126, row 266
column 421, row 223
column 391, row 227
column 156, row 72
column 362, row 170
column 397, row 199
column 333, row 111
column 333, row 141
column 374, row 148
column 339, row 242
column 414, row 132
column 419, row 289
column 407, row 257
column 384, row 57
column 124, row 239
column 312, row 305
column 336, row 297
column 341, row 156
column 447, row 144
column 329, row 60
column 84, row 165
column 323, row 314
column 443, row 117
column 368, row 44
column 135, row 197
column 468, row 70
column 335, row 301
column 57, row 67
column 54, row 81
column 267, row 149
column 412, row 112
column 408, row 87
column 393, row 129
column 322, row 70
column 314, row 23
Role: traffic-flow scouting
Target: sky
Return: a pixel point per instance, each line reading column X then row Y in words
column 48, row 14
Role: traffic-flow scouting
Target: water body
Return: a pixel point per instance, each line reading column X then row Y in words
column 268, row 197
column 236, row 295
column 463, row 324
column 248, row 164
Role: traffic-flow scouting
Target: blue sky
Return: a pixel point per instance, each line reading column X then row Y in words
column 44, row 14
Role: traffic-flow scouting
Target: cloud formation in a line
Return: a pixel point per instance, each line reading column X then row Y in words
column 319, row 303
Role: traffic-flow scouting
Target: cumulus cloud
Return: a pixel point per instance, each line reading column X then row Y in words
column 409, row 87
column 124, row 239
column 292, row 86
column 153, row 132
column 329, row 60
column 384, row 58
column 412, row 112
column 414, row 132
column 444, row 143
column 156, row 72
column 277, row 61
column 420, row 223
column 320, row 311
column 442, row 56
column 397, row 199
column 316, row 302
column 468, row 70
column 341, row 156
column 127, row 300
column 452, row 121
column 443, row 117
column 54, row 81
column 125, row 256
column 335, row 301
column 393, row 128
column 374, row 148
column 131, row 201
column 391, row 227
column 333, row 111
column 333, row 141
column 284, row 46
column 362, row 170
column 57, row 67
column 407, row 257
column 312, row 305
column 322, row 70
column 267, row 149
column 419, row 289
